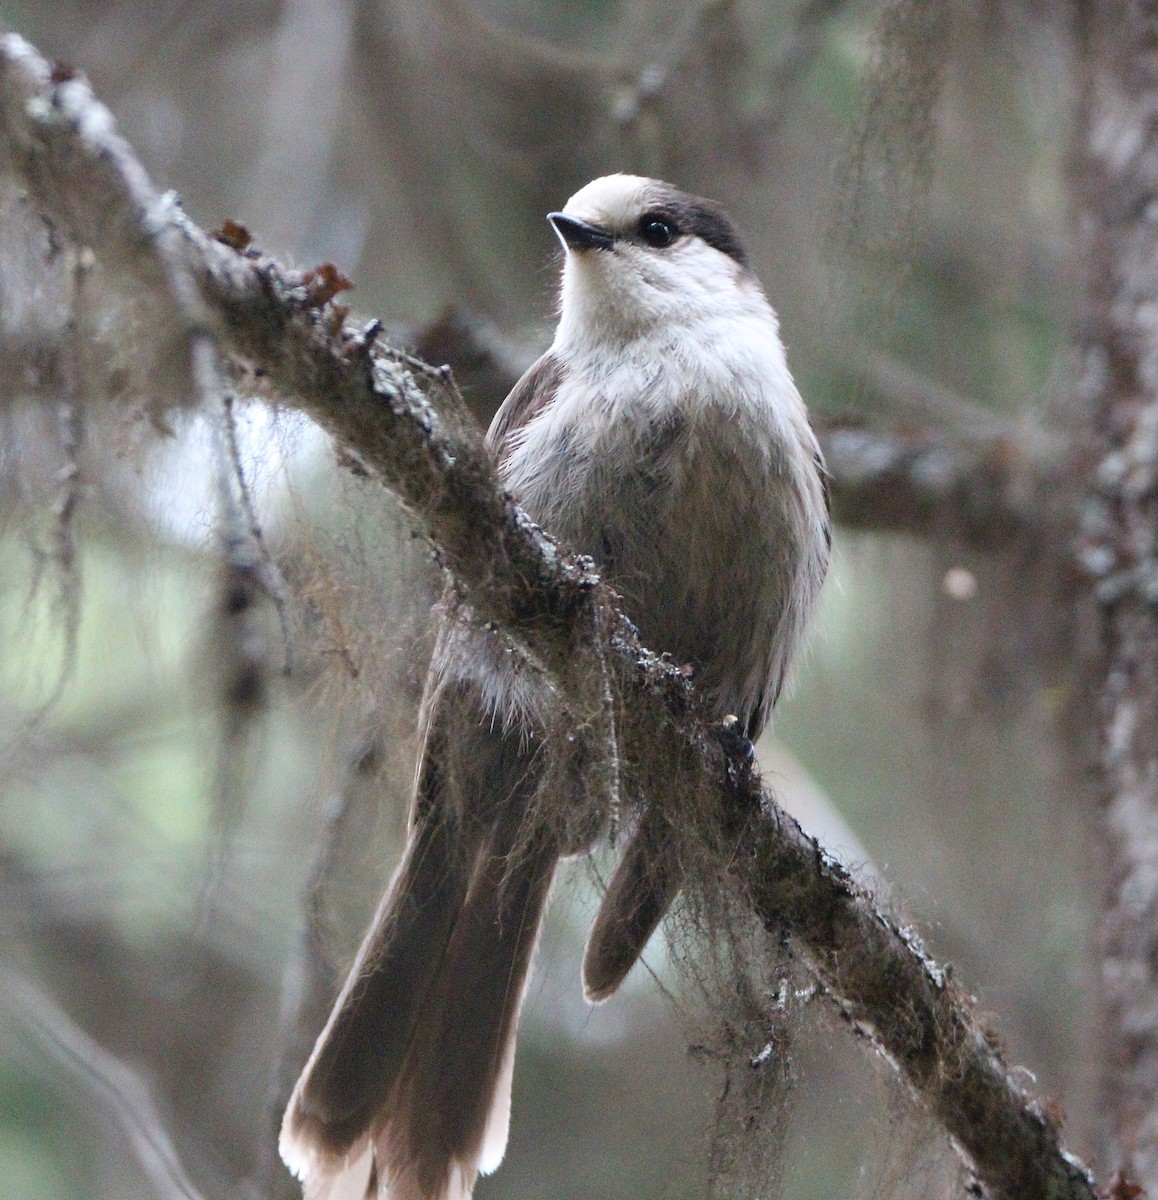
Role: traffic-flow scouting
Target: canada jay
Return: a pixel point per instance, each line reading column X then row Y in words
column 663, row 436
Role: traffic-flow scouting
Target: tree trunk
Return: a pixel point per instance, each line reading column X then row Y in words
column 1118, row 182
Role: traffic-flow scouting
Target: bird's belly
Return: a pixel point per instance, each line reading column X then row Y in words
column 693, row 534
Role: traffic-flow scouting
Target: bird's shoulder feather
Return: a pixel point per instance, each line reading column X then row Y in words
column 533, row 392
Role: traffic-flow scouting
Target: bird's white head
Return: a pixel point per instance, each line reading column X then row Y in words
column 640, row 255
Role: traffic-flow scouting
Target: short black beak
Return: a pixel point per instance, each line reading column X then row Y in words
column 578, row 235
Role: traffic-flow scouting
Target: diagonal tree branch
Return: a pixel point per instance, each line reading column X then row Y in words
column 411, row 432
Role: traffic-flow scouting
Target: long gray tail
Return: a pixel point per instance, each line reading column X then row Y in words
column 407, row 1092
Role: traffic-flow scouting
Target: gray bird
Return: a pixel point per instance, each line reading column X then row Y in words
column 662, row 435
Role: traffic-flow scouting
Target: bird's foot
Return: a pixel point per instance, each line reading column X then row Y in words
column 736, row 745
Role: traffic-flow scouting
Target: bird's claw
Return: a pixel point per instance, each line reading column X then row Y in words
column 736, row 743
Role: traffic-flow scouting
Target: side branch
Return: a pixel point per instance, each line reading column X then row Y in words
column 973, row 487
column 410, row 431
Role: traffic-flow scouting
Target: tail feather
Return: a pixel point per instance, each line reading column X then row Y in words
column 407, row 1092
column 361, row 1050
column 448, row 1116
column 494, row 1142
column 353, row 1180
column 642, row 888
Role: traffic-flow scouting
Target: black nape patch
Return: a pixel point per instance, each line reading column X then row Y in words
column 706, row 220
column 715, row 227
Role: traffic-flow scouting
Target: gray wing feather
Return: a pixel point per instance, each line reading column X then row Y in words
column 527, row 398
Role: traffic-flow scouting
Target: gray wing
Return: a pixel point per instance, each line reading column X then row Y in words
column 528, row 397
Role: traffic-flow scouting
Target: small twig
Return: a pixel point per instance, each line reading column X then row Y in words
column 267, row 573
column 613, row 771
column 70, row 424
column 653, row 77
column 922, row 400
column 312, row 977
column 441, row 375
column 105, row 1079
column 245, row 572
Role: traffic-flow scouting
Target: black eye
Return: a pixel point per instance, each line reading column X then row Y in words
column 658, row 231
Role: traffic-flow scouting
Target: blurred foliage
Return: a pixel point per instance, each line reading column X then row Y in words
column 163, row 921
